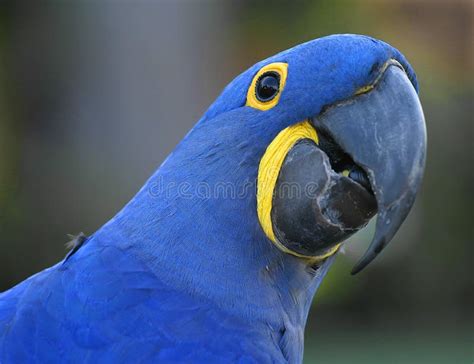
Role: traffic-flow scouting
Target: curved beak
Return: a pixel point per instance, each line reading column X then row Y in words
column 383, row 131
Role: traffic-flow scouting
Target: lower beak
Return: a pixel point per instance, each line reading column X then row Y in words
column 383, row 131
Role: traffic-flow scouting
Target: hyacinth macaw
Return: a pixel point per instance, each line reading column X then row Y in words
column 218, row 256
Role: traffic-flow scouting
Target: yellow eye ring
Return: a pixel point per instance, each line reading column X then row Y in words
column 278, row 69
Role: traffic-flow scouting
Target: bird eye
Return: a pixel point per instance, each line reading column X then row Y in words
column 267, row 86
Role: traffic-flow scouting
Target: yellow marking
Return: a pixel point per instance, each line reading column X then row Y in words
column 268, row 172
column 345, row 173
column 390, row 62
column 310, row 259
column 364, row 89
column 252, row 101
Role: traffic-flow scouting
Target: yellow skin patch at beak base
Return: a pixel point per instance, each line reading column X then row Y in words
column 268, row 172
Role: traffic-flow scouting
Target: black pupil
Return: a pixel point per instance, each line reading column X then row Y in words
column 267, row 86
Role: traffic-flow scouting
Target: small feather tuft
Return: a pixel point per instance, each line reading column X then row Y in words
column 76, row 240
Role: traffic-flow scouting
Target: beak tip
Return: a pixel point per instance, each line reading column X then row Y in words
column 354, row 271
column 361, row 264
column 377, row 245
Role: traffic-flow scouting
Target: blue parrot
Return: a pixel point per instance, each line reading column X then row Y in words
column 218, row 256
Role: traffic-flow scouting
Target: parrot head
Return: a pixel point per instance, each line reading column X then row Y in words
column 334, row 133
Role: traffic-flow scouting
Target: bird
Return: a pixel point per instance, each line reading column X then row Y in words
column 218, row 257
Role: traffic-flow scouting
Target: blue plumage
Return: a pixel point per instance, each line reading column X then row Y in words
column 104, row 305
column 184, row 273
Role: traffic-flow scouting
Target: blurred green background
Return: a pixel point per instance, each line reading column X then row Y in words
column 91, row 102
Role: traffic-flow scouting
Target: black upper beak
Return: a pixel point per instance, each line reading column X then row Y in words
column 383, row 131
